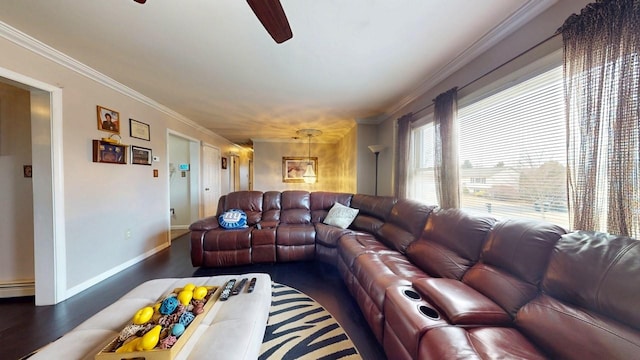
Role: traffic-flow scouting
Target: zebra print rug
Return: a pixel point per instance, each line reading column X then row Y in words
column 300, row 328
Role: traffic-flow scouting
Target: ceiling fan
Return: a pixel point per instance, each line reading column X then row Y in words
column 271, row 15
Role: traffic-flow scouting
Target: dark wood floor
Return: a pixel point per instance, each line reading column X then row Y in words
column 25, row 327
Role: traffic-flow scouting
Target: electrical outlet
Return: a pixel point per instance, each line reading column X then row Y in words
column 127, row 234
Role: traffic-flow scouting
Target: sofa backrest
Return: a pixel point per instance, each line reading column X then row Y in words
column 296, row 207
column 591, row 294
column 321, row 203
column 248, row 201
column 450, row 243
column 374, row 210
column 599, row 272
column 271, row 207
column 404, row 224
column 513, row 261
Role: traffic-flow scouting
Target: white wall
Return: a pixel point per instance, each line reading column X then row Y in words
column 16, row 192
column 105, row 202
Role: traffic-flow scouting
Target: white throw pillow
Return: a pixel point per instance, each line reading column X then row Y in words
column 340, row 216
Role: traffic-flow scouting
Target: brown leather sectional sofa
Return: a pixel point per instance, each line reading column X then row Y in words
column 445, row 284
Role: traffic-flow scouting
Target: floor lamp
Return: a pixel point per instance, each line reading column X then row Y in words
column 376, row 150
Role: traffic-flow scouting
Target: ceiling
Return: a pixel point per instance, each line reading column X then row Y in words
column 213, row 62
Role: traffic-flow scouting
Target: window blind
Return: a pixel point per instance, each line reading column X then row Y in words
column 513, row 152
column 421, row 173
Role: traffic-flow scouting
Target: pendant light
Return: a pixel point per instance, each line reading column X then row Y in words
column 309, row 175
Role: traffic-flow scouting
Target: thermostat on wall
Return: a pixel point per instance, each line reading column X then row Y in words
column 156, row 158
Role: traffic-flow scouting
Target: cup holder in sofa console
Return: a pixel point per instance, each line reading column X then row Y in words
column 429, row 312
column 411, row 294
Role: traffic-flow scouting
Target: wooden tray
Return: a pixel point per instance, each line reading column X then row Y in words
column 157, row 354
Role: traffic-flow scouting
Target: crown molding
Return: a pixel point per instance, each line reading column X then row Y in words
column 36, row 46
column 300, row 140
column 371, row 120
column 523, row 15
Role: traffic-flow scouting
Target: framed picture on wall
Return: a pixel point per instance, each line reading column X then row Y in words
column 108, row 120
column 140, row 155
column 109, row 152
column 139, row 130
column 293, row 167
column 224, row 162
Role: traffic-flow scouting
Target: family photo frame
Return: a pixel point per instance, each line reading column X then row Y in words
column 108, row 120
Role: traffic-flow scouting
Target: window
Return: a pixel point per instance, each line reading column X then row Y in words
column 421, row 175
column 513, row 153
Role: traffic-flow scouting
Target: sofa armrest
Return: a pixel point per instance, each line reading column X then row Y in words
column 205, row 224
column 461, row 304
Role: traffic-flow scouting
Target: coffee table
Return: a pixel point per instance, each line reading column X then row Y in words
column 232, row 329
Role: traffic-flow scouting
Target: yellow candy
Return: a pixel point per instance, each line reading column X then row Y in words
column 147, row 342
column 143, row 315
column 129, row 346
column 200, row 292
column 185, row 296
column 150, row 339
column 189, row 287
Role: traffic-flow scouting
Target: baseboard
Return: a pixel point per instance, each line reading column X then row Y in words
column 11, row 289
column 107, row 274
column 179, row 227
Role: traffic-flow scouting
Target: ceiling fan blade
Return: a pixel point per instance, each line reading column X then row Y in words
column 273, row 18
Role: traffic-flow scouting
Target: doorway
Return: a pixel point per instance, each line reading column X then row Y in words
column 184, row 173
column 45, row 108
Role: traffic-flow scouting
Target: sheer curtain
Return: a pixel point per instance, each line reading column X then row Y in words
column 402, row 155
column 446, row 150
column 601, row 74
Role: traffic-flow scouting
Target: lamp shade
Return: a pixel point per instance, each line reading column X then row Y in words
column 376, row 148
column 309, row 175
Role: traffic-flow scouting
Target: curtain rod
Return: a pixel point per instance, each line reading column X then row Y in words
column 494, row 69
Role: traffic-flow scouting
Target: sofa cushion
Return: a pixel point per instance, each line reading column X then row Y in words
column 322, row 201
column 271, row 208
column 450, row 243
column 404, row 224
column 340, row 216
column 569, row 332
column 513, row 261
column 248, row 201
column 296, row 207
column 450, row 342
column 376, row 206
column 522, row 247
column 597, row 271
column 373, row 212
column 460, row 303
column 327, row 235
column 350, row 246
